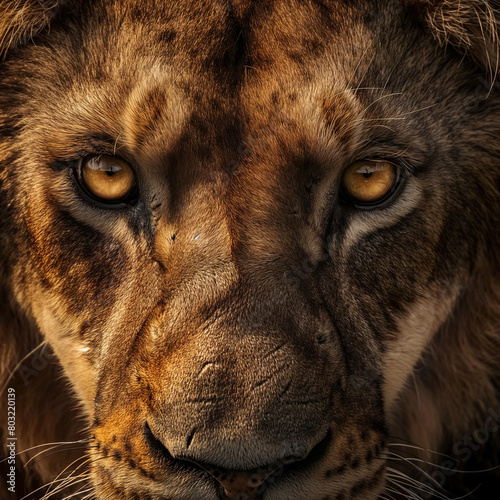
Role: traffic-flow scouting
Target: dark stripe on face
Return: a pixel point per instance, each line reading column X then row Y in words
column 76, row 259
column 372, row 262
column 368, row 484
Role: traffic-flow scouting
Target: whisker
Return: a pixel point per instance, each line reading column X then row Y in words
column 442, row 467
column 60, row 443
column 74, row 481
column 425, row 488
column 89, row 496
column 70, row 480
column 42, row 487
column 332, row 97
column 409, row 468
column 80, row 492
column 73, row 472
column 392, row 94
column 366, row 71
column 348, row 85
column 422, row 471
column 398, row 492
column 53, row 453
column 13, row 372
column 411, row 460
column 408, row 444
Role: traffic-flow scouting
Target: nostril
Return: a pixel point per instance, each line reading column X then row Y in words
column 155, row 445
column 322, row 339
column 189, row 439
column 162, row 454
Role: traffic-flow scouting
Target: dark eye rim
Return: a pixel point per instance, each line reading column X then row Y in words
column 403, row 171
column 130, row 199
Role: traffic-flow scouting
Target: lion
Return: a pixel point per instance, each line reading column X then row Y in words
column 249, row 250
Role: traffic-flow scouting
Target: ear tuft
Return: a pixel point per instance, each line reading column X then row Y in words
column 21, row 20
column 470, row 25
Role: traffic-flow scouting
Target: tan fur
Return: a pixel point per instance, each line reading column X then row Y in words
column 23, row 20
column 242, row 328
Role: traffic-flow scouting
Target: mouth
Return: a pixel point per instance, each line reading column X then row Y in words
column 235, row 484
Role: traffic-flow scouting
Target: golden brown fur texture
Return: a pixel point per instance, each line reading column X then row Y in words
column 23, row 20
column 238, row 325
column 473, row 26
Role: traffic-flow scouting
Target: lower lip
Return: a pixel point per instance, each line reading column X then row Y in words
column 296, row 469
column 286, row 471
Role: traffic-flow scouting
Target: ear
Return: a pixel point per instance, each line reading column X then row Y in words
column 21, row 20
column 470, row 25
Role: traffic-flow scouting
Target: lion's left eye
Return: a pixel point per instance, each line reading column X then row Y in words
column 370, row 182
column 107, row 178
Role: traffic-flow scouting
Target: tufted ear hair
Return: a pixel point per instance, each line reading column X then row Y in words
column 21, row 20
column 470, row 25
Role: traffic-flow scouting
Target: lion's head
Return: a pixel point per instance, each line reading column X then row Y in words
column 260, row 239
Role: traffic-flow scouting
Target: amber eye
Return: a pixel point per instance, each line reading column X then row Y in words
column 369, row 182
column 107, row 178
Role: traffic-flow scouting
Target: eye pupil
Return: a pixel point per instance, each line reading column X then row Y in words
column 370, row 182
column 107, row 178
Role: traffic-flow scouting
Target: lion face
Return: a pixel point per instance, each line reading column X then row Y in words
column 240, row 228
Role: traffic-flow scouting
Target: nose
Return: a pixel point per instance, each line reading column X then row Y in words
column 229, row 461
column 246, row 414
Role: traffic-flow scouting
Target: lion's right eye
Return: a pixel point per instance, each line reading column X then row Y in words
column 369, row 183
column 107, row 179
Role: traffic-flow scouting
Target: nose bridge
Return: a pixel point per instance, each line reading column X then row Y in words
column 210, row 249
column 196, row 241
column 240, row 353
column 220, row 252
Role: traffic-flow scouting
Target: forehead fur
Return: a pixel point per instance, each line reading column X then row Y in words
column 128, row 94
